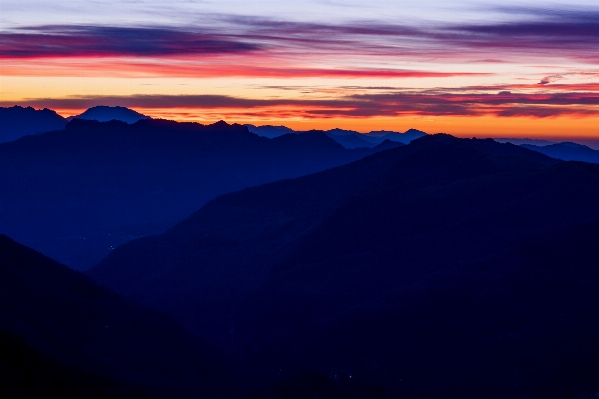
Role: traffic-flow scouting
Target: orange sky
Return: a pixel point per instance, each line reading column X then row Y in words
column 486, row 72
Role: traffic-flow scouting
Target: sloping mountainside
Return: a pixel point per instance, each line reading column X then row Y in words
column 29, row 373
column 75, row 194
column 351, row 139
column 269, row 131
column 102, row 113
column 405, row 137
column 567, row 151
column 16, row 122
column 64, row 336
column 447, row 268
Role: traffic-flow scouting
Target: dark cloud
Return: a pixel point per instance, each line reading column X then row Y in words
column 94, row 41
column 540, row 32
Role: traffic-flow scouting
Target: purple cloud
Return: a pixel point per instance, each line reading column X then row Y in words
column 505, row 104
column 101, row 41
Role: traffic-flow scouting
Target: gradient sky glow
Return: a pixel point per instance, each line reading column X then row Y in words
column 481, row 68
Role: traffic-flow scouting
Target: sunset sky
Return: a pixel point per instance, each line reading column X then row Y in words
column 469, row 68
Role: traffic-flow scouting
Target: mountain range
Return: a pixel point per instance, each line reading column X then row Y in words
column 309, row 264
column 18, row 122
column 347, row 138
column 74, row 194
column 446, row 268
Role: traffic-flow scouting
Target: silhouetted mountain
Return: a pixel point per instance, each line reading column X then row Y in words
column 269, row 131
column 76, row 193
column 406, row 137
column 387, row 145
column 515, row 141
column 77, row 339
column 103, row 113
column 347, row 138
column 567, row 151
column 16, row 122
column 447, row 268
column 352, row 140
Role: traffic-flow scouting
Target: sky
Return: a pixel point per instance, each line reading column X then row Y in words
column 468, row 68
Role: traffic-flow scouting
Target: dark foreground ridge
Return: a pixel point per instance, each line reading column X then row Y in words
column 448, row 268
column 76, row 193
column 63, row 336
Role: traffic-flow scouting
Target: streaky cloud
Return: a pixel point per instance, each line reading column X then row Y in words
column 108, row 41
column 502, row 104
column 574, row 36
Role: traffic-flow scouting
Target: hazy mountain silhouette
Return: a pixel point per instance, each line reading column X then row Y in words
column 269, row 131
column 77, row 339
column 103, row 113
column 352, row 139
column 444, row 268
column 76, row 193
column 347, row 138
column 516, row 141
column 567, row 151
column 16, row 122
column 405, row 137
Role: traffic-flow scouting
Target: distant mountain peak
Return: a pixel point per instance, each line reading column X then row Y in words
column 572, row 145
column 18, row 121
column 412, row 130
column 220, row 123
column 104, row 113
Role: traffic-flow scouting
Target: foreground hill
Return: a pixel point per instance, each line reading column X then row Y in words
column 63, row 336
column 445, row 268
column 16, row 122
column 76, row 193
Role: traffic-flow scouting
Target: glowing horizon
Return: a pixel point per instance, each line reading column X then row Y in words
column 477, row 69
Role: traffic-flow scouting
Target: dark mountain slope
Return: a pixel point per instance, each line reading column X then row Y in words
column 567, row 151
column 405, row 269
column 517, row 325
column 76, row 193
column 29, row 373
column 94, row 336
column 16, row 122
column 102, row 113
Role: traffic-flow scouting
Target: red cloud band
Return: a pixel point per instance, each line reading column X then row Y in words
column 371, row 105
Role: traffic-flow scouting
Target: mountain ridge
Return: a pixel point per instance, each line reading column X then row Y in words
column 77, row 192
column 339, row 269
